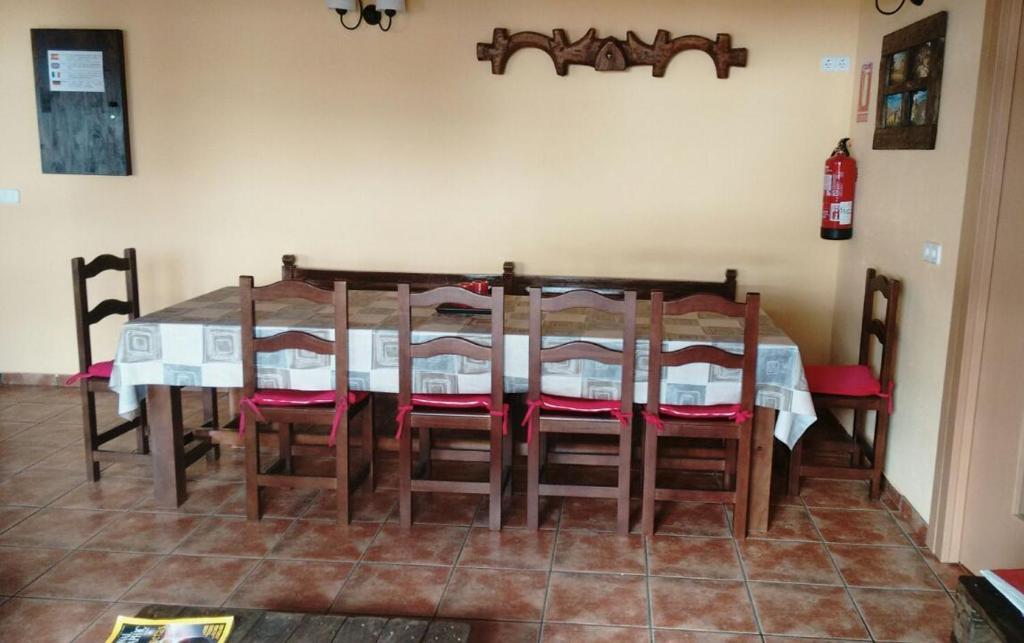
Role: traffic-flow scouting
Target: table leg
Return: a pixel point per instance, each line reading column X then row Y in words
column 761, row 469
column 166, row 445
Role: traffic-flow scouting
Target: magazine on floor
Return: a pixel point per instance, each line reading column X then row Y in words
column 204, row 629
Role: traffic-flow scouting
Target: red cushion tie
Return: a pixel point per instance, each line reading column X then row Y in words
column 624, row 418
column 340, row 408
column 503, row 414
column 888, row 396
column 655, row 419
column 530, row 419
column 247, row 403
column 743, row 416
column 403, row 413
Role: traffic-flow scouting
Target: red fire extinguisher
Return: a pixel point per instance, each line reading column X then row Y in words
column 837, row 206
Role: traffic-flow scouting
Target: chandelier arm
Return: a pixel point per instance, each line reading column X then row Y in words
column 889, row 13
column 341, row 17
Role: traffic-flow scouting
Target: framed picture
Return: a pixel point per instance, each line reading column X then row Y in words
column 81, row 101
column 909, row 86
column 893, row 111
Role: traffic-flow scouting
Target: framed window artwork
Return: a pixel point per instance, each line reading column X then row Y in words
column 909, row 86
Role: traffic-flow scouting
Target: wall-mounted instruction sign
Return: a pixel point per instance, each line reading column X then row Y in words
column 81, row 101
column 75, row 71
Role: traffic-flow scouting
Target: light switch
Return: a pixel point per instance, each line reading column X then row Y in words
column 932, row 252
column 835, row 63
column 10, row 196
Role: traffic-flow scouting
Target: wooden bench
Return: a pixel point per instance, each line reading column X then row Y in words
column 514, row 283
column 258, row 626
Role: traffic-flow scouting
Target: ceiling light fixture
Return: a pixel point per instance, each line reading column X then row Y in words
column 372, row 14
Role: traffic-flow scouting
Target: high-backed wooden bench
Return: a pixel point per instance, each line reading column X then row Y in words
column 514, row 283
column 374, row 280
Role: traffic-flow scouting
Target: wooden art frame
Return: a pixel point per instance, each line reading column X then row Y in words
column 910, row 86
column 610, row 54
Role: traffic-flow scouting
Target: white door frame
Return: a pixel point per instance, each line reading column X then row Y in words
column 974, row 275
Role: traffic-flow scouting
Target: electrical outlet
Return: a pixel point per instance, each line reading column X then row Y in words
column 835, row 63
column 932, row 252
column 10, row 196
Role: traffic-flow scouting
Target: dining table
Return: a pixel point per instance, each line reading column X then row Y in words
column 197, row 343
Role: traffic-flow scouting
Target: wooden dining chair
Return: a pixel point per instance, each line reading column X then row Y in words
column 425, row 412
column 94, row 377
column 729, row 422
column 853, row 386
column 549, row 415
column 291, row 410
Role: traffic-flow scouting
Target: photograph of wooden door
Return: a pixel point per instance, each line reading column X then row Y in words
column 978, row 513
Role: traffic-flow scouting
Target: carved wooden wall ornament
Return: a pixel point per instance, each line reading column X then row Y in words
column 610, row 54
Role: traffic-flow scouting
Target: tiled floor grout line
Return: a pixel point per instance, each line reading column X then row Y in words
column 746, row 587
column 647, row 584
column 19, row 591
column 551, row 564
column 842, row 578
column 920, row 552
column 78, row 548
column 359, row 560
column 458, row 555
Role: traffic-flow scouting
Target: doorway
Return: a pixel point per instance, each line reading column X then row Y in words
column 978, row 508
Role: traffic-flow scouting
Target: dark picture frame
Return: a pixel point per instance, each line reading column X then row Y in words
column 910, row 85
column 82, row 129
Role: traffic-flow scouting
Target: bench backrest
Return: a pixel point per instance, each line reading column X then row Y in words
column 514, row 284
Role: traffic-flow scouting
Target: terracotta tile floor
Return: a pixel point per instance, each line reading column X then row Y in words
column 73, row 555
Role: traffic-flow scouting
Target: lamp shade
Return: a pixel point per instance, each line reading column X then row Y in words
column 391, row 5
column 344, row 5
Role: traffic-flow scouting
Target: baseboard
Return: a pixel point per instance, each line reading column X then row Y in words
column 911, row 521
column 34, row 379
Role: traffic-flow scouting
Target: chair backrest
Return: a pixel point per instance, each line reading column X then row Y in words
column 373, row 280
column 294, row 339
column 450, row 344
column 658, row 358
column 886, row 332
column 85, row 317
column 579, row 349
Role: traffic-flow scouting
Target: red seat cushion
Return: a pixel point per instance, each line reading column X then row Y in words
column 101, row 369
column 452, row 401
column 578, row 405
column 288, row 397
column 853, row 381
column 701, row 412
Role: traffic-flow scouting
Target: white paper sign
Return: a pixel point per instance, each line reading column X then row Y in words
column 75, row 71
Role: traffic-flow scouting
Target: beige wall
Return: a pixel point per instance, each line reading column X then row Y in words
column 905, row 198
column 261, row 128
